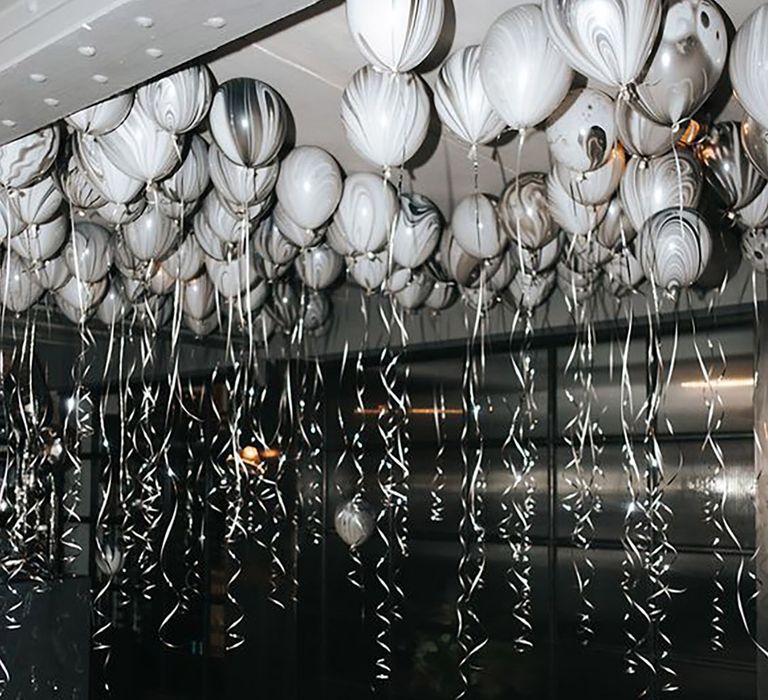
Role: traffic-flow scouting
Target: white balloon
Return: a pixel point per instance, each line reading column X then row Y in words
column 89, row 252
column 191, row 179
column 385, row 115
column 39, row 202
column 336, row 238
column 107, row 179
column 103, row 117
column 78, row 188
column 395, row 35
column 319, row 267
column 415, row 291
column 199, row 297
column 121, row 214
column 180, row 101
column 232, row 277
column 475, row 227
column 10, row 222
column 298, row 235
column 594, row 186
column 221, row 221
column 52, row 274
column 575, row 218
column 41, row 241
column 524, row 75
column 461, row 101
column 29, row 158
column 186, row 261
column 748, row 64
column 416, row 232
column 81, row 295
column 19, row 288
column 368, row 271
column 238, row 183
column 309, row 186
column 366, row 212
column 151, row 236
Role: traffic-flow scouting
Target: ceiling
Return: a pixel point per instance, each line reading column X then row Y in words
column 310, row 57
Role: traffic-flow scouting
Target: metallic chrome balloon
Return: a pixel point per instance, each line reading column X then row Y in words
column 754, row 248
column 461, row 101
column 594, row 186
column 582, row 132
column 385, row 115
column 475, row 227
column 524, row 212
column 515, row 56
column 648, row 187
column 754, row 138
column 727, row 167
column 640, row 135
column 687, row 62
column 416, row 232
column 674, row 248
column 748, row 64
column 607, row 40
column 248, row 121
column 396, row 35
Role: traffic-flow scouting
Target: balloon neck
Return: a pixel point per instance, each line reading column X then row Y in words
column 472, row 154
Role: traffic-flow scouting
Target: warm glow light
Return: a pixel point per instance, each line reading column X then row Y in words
column 691, row 132
column 270, row 454
column 379, row 410
column 734, row 383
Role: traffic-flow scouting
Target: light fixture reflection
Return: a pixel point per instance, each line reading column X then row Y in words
column 724, row 383
column 381, row 410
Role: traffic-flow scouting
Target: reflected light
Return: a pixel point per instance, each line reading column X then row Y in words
column 381, row 409
column 725, row 383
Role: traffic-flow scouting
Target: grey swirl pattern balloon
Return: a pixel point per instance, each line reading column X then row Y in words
column 232, row 277
column 416, row 232
column 385, row 116
column 19, row 288
column 624, row 272
column 52, row 274
column 616, row 228
column 103, row 117
column 10, row 222
column 442, row 295
column 120, row 214
column 648, row 187
column 77, row 187
column 201, row 327
column 180, row 101
column 755, row 214
column 238, row 183
column 366, row 212
column 516, row 53
column 199, row 297
column 319, row 267
column 317, row 311
column 29, row 158
column 674, row 248
column 594, row 186
column 107, row 179
column 640, row 135
column 355, row 522
column 754, row 248
column 298, row 235
column 461, row 101
column 575, row 218
column 248, row 121
column 687, row 62
column 186, row 261
column 115, row 306
column 524, row 211
column 191, row 179
column 415, row 291
column 754, row 138
column 582, row 132
column 38, row 203
column 88, row 253
column 748, row 65
column 396, row 35
column 151, row 236
column 727, row 167
column 41, row 241
column 529, row 291
column 539, row 259
column 269, row 243
column 607, row 40
column 368, row 271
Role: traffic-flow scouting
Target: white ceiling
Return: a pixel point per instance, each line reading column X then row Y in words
column 311, row 57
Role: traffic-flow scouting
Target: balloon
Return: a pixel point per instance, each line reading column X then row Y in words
column 309, row 186
column 624, row 271
column 516, row 53
column 10, row 223
column 648, row 187
column 41, row 241
column 475, row 227
column 479, row 299
column 639, row 135
column 232, row 277
column 213, row 246
column 105, row 177
column 461, row 102
column 748, row 64
column 317, row 311
column 300, row 237
column 414, row 290
column 284, row 307
column 575, row 218
column 687, row 62
column 103, row 117
column 368, row 271
column 727, row 167
column 396, row 35
column 19, row 287
column 151, row 236
column 582, row 132
column 607, row 40
column 89, row 254
column 199, row 297
column 251, row 212
column 754, row 214
column 674, row 248
column 52, row 274
column 178, row 211
column 319, row 267
column 524, row 213
column 141, row 149
column 385, row 115
column 248, row 121
column 539, row 259
column 201, row 327
column 335, row 238
column 77, row 187
column 510, row 264
column 754, row 138
column 81, row 295
column 269, row 243
column 186, row 261
column 26, row 160
column 416, row 231
column 249, row 302
column 121, row 214
column 616, row 228
column 178, row 102
column 115, row 305
column 191, row 180
column 38, row 203
column 238, row 183
column 355, row 521
column 366, row 212
column 442, row 295
column 466, row 269
column 586, row 252
column 161, row 282
column 594, row 186
column 531, row 290
column 754, row 248
column 153, row 312
column 221, row 221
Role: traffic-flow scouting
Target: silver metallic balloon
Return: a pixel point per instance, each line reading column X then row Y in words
column 754, row 138
column 416, row 232
column 524, row 211
column 648, row 187
column 674, row 248
column 640, row 135
column 581, row 133
column 248, row 121
column 52, row 274
column 727, row 167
